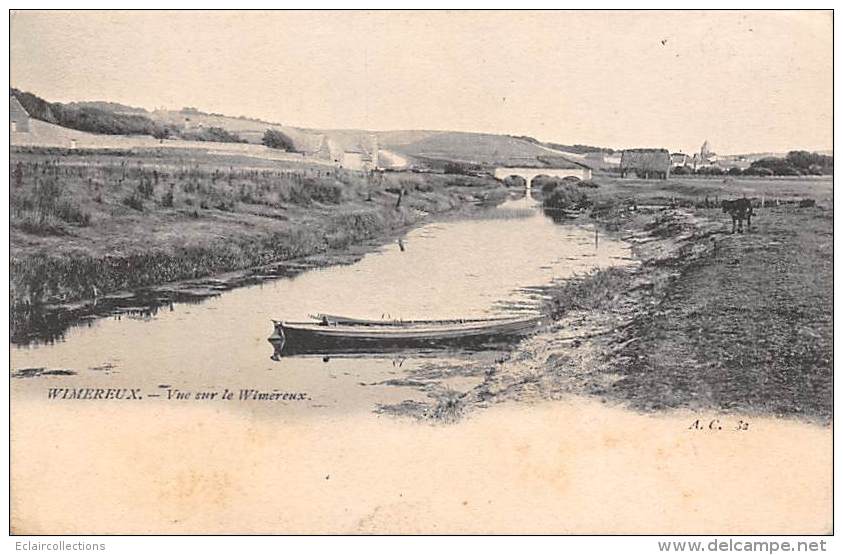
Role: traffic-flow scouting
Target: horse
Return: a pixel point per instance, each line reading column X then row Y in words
column 740, row 210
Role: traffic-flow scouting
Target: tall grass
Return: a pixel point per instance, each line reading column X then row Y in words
column 287, row 212
column 595, row 290
column 43, row 208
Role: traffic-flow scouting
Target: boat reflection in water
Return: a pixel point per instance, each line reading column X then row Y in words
column 337, row 334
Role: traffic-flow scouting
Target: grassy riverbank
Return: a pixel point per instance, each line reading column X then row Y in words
column 86, row 224
column 707, row 321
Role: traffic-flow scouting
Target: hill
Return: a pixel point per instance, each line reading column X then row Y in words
column 473, row 148
column 417, row 146
column 399, row 148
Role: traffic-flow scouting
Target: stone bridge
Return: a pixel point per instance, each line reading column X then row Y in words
column 528, row 174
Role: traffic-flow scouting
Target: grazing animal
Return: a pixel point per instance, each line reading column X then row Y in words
column 740, row 210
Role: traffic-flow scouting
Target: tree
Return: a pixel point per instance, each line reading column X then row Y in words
column 276, row 139
column 758, row 170
column 215, row 134
column 457, row 168
column 810, row 162
column 778, row 166
column 567, row 197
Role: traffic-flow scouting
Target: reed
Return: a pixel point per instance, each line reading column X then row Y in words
column 595, row 290
column 136, row 220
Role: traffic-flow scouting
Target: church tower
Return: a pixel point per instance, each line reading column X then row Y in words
column 705, row 150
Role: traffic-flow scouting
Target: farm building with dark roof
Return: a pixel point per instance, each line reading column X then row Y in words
column 646, row 163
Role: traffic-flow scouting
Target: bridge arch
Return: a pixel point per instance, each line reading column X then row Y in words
column 528, row 174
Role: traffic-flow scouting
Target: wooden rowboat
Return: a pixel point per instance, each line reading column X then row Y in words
column 310, row 337
column 334, row 319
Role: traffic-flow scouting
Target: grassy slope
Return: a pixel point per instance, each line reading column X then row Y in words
column 227, row 213
column 475, row 148
column 720, row 321
column 748, row 326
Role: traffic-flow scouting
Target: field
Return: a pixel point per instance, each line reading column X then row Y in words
column 746, row 326
column 88, row 223
column 694, row 190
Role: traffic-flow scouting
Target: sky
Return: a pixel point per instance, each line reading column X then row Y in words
column 746, row 81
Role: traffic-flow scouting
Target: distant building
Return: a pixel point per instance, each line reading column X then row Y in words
column 18, row 117
column 680, row 159
column 706, row 157
column 705, row 149
column 646, row 163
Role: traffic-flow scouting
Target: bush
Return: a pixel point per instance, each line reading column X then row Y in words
column 461, row 168
column 710, row 170
column 606, row 208
column 797, row 162
column 810, row 162
column 145, row 188
column 133, row 201
column 587, row 184
column 460, row 181
column 515, row 181
column 35, row 223
column 567, row 197
column 213, row 134
column 67, row 211
column 546, row 183
column 276, row 139
column 759, row 171
column 41, row 210
column 225, row 205
column 329, row 193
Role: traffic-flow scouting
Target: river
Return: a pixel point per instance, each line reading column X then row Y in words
column 488, row 265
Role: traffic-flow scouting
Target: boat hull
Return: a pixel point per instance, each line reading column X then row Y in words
column 308, row 338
